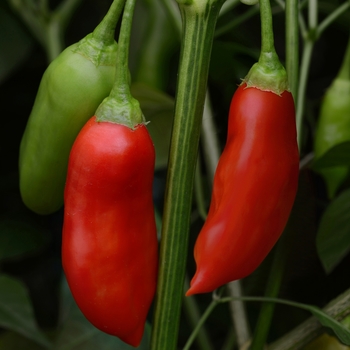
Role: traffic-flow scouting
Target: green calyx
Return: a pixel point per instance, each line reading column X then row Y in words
column 125, row 111
column 268, row 74
column 96, row 51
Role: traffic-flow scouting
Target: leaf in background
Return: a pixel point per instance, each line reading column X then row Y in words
column 77, row 333
column 333, row 237
column 158, row 110
column 15, row 341
column 339, row 155
column 19, row 237
column 15, row 44
column 16, row 311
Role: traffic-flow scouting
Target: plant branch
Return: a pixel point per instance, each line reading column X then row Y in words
column 238, row 314
column 332, row 17
column 292, row 46
column 193, row 314
column 204, row 317
column 272, row 290
column 304, row 71
column 199, row 20
column 210, row 142
column 309, row 330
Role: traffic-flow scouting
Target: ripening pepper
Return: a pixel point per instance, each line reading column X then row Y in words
column 109, row 245
column 256, row 178
column 71, row 89
column 109, row 242
column 334, row 124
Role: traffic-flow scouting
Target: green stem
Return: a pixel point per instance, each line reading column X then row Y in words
column 121, row 87
column 198, row 190
column 292, row 46
column 333, row 16
column 58, row 21
column 312, row 14
column 120, row 107
column 104, row 33
column 267, row 41
column 239, row 314
column 204, row 317
column 251, row 12
column 272, row 290
column 199, row 20
column 210, row 140
column 267, row 74
column 194, row 316
column 305, row 65
column 54, row 42
column 309, row 41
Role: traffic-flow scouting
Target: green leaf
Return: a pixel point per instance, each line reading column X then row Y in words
column 157, row 108
column 339, row 155
column 77, row 333
column 333, row 236
column 16, row 311
column 15, row 341
column 19, row 237
column 15, row 44
column 342, row 333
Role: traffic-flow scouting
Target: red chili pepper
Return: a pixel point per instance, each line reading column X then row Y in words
column 109, row 244
column 254, row 189
column 109, row 247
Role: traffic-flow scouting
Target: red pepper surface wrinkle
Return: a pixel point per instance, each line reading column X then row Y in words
column 109, row 243
column 254, row 189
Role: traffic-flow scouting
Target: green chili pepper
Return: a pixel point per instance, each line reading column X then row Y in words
column 71, row 89
column 334, row 124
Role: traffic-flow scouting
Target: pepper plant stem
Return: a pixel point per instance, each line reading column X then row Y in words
column 194, row 316
column 272, row 290
column 292, row 46
column 305, row 65
column 199, row 20
column 267, row 41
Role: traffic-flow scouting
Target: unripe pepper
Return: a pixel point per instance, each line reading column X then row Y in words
column 334, row 124
column 256, row 179
column 109, row 243
column 71, row 89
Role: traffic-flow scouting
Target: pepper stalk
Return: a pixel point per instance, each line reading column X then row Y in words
column 198, row 23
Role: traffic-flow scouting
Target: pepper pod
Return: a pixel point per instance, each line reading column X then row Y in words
column 256, row 179
column 71, row 89
column 109, row 243
column 334, row 124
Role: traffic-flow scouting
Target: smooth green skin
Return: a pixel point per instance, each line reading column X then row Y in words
column 70, row 91
column 334, row 128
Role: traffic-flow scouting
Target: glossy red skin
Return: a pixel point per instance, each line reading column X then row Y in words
column 254, row 189
column 110, row 248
